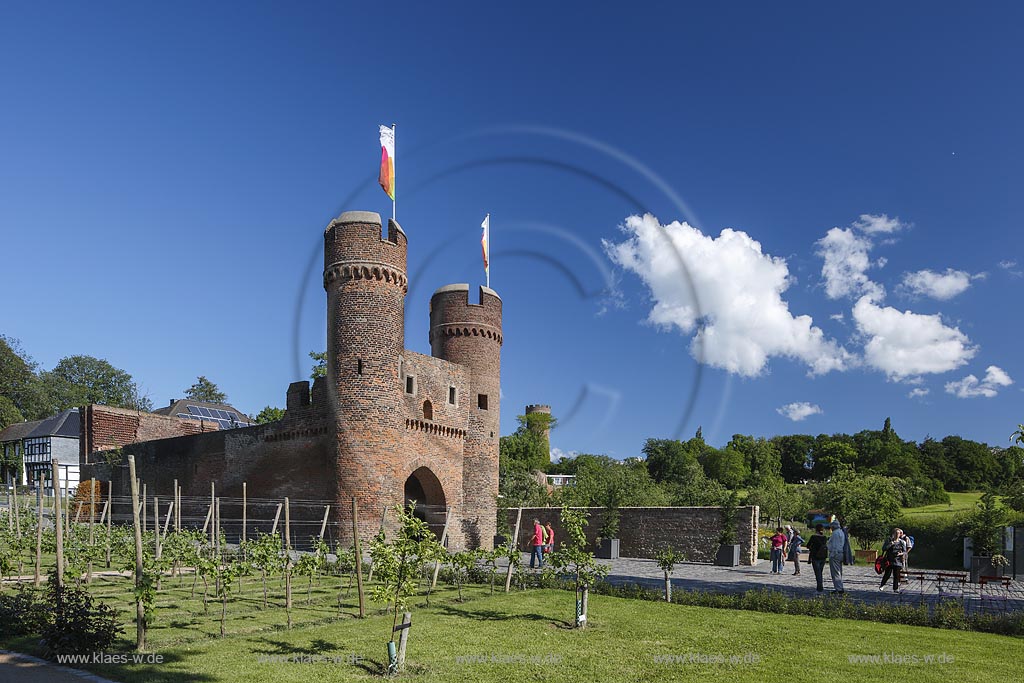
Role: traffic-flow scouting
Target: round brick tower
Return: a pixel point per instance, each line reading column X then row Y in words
column 546, row 433
column 470, row 334
column 365, row 279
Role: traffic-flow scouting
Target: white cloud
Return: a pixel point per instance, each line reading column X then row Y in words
column 871, row 224
column 918, row 392
column 558, row 454
column 798, row 411
column 846, row 264
column 838, row 317
column 971, row 387
column 1011, row 268
column 736, row 293
column 906, row 344
column 941, row 286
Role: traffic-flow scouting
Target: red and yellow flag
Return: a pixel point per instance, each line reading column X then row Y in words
column 387, row 161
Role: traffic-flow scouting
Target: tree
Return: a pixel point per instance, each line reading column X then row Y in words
column 82, row 380
column 19, row 382
column 206, row 391
column 269, row 414
column 726, row 466
column 602, row 481
column 761, row 457
column 527, row 448
column 9, row 413
column 319, row 364
column 574, row 560
column 795, row 456
column 671, row 460
column 853, row 496
column 832, row 457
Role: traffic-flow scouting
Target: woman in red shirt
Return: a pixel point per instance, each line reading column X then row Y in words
column 778, row 542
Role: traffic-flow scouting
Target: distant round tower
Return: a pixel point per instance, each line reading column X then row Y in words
column 365, row 279
column 470, row 334
column 547, row 430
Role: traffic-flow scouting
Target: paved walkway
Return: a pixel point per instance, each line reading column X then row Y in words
column 19, row 668
column 859, row 581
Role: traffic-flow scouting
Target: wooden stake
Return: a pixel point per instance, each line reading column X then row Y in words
column 177, row 506
column 140, row 609
column 92, row 530
column 209, row 516
column 277, row 516
column 145, row 516
column 513, row 545
column 403, row 639
column 359, row 557
column 323, row 525
column 17, row 515
column 245, row 511
column 110, row 516
column 288, row 561
column 39, row 529
column 156, row 527
column 213, row 505
column 59, row 530
column 167, row 521
column 444, row 537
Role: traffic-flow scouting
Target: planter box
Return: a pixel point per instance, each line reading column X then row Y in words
column 981, row 565
column 728, row 556
column 869, row 556
column 608, row 549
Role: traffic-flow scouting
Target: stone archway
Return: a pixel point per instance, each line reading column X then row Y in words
column 423, row 487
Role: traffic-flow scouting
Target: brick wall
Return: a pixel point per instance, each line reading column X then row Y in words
column 645, row 531
column 103, row 428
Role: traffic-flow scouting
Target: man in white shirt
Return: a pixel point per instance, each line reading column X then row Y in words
column 835, row 556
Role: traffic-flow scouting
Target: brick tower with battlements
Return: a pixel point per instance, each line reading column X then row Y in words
column 409, row 427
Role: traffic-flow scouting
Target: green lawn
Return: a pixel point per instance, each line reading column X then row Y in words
column 627, row 640
column 957, row 503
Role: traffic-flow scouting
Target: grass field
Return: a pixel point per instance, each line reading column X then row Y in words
column 958, row 502
column 526, row 636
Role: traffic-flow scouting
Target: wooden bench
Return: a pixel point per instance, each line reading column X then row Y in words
column 951, row 584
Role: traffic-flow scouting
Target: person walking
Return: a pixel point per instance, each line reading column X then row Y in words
column 817, row 553
column 538, row 545
column 785, row 551
column 847, row 550
column 895, row 551
column 836, row 555
column 794, row 550
column 778, row 544
column 550, row 547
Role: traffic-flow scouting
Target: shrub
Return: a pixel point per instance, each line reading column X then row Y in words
column 78, row 624
column 24, row 611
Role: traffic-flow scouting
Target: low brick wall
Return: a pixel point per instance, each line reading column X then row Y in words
column 645, row 531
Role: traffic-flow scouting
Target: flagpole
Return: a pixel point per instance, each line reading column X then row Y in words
column 394, row 201
column 487, row 271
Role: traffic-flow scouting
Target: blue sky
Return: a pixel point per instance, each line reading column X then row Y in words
column 167, row 172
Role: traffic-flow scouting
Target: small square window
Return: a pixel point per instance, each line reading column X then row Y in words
column 451, row 395
column 481, row 401
column 410, row 384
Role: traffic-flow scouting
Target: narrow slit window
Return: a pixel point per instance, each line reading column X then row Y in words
column 359, row 366
column 410, row 384
column 451, row 395
column 481, row 401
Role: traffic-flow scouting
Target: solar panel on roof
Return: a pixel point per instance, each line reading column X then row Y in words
column 194, row 410
column 184, row 415
column 205, row 412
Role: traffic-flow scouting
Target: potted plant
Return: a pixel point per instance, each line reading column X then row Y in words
column 728, row 554
column 867, row 531
column 984, row 528
column 608, row 536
